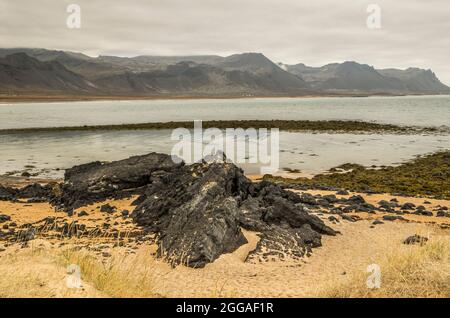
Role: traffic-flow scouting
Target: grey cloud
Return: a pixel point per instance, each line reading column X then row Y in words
column 414, row 32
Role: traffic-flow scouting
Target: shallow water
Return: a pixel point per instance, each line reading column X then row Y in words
column 311, row 153
column 409, row 110
column 50, row 152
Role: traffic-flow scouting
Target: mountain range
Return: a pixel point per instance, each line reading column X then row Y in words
column 41, row 71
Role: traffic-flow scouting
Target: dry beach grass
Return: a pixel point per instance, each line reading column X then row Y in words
column 406, row 271
column 337, row 269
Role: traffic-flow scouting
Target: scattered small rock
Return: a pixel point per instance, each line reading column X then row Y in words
column 83, row 213
column 332, row 218
column 442, row 214
column 4, row 218
column 387, row 205
column 408, row 206
column 336, row 210
column 415, row 239
column 331, row 198
column 347, row 218
column 392, row 217
column 107, row 208
column 356, row 199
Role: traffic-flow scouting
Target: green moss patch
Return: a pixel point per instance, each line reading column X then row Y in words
column 427, row 175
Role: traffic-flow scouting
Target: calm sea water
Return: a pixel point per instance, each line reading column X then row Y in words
column 413, row 110
column 49, row 153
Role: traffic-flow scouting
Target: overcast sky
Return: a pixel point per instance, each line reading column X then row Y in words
column 413, row 32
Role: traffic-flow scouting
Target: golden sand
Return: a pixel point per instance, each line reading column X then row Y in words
column 132, row 270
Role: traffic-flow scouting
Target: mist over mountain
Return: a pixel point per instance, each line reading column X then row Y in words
column 24, row 71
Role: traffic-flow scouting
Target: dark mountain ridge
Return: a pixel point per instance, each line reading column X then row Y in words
column 354, row 77
column 20, row 72
column 23, row 70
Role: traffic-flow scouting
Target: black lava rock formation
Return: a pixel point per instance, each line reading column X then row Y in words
column 198, row 212
column 96, row 181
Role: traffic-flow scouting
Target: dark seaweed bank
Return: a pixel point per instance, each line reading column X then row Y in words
column 331, row 126
column 427, row 175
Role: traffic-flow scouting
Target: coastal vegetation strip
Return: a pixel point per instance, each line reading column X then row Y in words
column 427, row 175
column 285, row 125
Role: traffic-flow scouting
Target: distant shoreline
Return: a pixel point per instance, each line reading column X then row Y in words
column 36, row 98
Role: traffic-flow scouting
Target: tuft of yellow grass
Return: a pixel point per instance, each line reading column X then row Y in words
column 407, row 271
column 137, row 275
column 32, row 272
column 41, row 270
column 120, row 275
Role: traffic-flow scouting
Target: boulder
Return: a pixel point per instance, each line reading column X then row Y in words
column 198, row 211
column 97, row 181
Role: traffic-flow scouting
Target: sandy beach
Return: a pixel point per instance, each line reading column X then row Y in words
column 339, row 259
